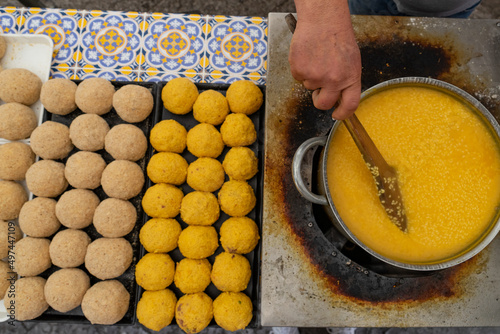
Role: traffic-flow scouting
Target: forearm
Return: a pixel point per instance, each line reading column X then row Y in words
column 324, row 12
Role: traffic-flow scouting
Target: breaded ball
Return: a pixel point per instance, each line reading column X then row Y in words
column 38, row 217
column 203, row 140
column 244, row 97
column 239, row 235
column 19, row 85
column 32, row 256
column 95, row 96
column 211, row 107
column 233, row 310
column 179, row 95
column 7, row 277
column 198, row 242
column 17, row 121
column 108, row 258
column 160, row 235
column 122, row 179
column 84, row 170
column 29, row 298
column 133, row 103
column 58, row 96
column 167, row 167
column 15, row 159
column 168, row 136
column 88, row 131
column 10, row 233
column 155, row 271
column 236, row 198
column 105, row 303
column 162, row 201
column 65, row 289
column 68, row 248
column 126, row 142
column 231, row 272
column 155, row 309
column 51, row 140
column 205, row 174
column 200, row 208
column 240, row 163
column 12, row 198
column 114, row 218
column 192, row 275
column 238, row 130
column 3, row 49
column 45, row 178
column 76, row 207
column 194, row 312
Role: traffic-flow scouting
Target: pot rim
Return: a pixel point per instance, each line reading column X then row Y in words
column 487, row 236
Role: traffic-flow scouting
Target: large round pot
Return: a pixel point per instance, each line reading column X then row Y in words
column 325, row 198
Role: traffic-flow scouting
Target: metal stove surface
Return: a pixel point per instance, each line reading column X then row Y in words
column 310, row 276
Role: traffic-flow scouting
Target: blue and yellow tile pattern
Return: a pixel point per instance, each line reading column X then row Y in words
column 133, row 46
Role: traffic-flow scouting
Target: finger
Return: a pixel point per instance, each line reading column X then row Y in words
column 348, row 103
column 325, row 99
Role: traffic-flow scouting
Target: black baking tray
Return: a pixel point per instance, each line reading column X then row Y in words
column 254, row 257
column 128, row 277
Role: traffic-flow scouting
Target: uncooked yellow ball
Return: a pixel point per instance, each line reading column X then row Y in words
column 231, row 272
column 211, row 107
column 236, row 198
column 244, row 97
column 162, row 201
column 192, row 275
column 203, row 140
column 168, row 136
column 155, row 309
column 194, row 312
column 240, row 163
column 155, row 271
column 167, row 167
column 238, row 130
column 179, row 95
column 239, row 235
column 198, row 242
column 200, row 208
column 205, row 174
column 160, row 235
column 233, row 310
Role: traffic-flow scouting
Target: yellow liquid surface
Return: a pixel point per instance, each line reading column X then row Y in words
column 448, row 166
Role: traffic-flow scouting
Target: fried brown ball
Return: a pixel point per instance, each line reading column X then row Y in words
column 200, row 208
column 10, row 233
column 3, row 49
column 65, row 288
column 17, row 121
column 15, row 159
column 58, row 96
column 94, row 96
column 160, row 235
column 244, row 97
column 19, row 85
column 45, row 178
column 179, row 95
column 68, row 248
column 192, row 275
column 88, row 131
column 32, row 256
column 168, row 136
column 108, row 258
column 7, row 277
column 29, row 298
column 236, row 198
column 114, row 218
column 133, row 103
column 205, row 174
column 231, row 272
column 84, row 170
column 155, row 271
column 238, row 130
column 122, row 179
column 105, row 303
column 239, row 235
column 162, row 201
column 38, row 217
column 155, row 309
column 211, row 107
column 203, row 140
column 167, row 167
column 51, row 141
column 76, row 207
column 126, row 142
column 198, row 242
column 240, row 163
column 12, row 198
column 233, row 310
column 194, row 312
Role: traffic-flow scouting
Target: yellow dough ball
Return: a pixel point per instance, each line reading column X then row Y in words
column 240, row 163
column 167, row 167
column 194, row 312
column 168, row 136
column 155, row 309
column 198, row 242
column 239, row 235
column 205, row 174
column 179, row 95
column 155, row 271
column 244, row 97
column 204, row 140
column 237, row 198
column 233, row 310
column 192, row 275
column 231, row 272
column 200, row 208
column 160, row 235
column 162, row 201
column 238, row 130
column 211, row 107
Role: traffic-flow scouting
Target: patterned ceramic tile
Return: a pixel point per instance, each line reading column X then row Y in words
column 109, row 74
column 167, row 76
column 236, row 47
column 10, row 18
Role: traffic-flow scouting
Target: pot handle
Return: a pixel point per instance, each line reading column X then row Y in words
column 297, row 167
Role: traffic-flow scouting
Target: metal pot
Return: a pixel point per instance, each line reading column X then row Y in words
column 325, row 199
